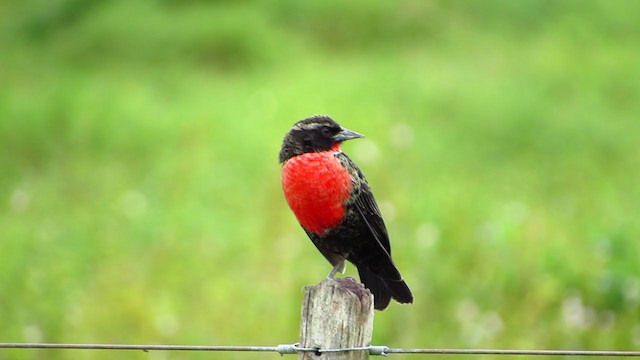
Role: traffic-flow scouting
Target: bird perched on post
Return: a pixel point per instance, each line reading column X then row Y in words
column 334, row 204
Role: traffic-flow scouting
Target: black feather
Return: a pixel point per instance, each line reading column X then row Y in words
column 361, row 237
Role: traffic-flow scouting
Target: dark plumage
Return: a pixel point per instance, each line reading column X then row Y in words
column 335, row 206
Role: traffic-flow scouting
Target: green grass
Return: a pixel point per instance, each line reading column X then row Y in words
column 140, row 198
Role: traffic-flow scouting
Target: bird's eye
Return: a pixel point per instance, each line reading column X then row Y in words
column 326, row 131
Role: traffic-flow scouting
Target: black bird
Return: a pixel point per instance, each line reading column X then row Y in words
column 334, row 204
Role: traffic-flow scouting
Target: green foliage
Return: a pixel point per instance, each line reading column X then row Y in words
column 140, row 198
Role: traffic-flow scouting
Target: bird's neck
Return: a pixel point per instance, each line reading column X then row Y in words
column 335, row 148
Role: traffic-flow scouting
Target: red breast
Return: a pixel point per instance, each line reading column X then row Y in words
column 316, row 187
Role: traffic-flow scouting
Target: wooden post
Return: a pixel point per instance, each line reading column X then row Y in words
column 336, row 313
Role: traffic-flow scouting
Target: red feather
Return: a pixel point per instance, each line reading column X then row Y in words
column 316, row 187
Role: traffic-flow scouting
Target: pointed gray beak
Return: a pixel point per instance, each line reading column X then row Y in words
column 346, row 134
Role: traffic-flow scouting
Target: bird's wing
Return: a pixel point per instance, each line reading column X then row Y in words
column 366, row 205
column 368, row 209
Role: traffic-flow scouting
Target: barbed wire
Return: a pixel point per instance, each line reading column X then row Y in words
column 295, row 348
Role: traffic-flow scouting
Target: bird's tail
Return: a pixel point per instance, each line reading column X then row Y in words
column 384, row 289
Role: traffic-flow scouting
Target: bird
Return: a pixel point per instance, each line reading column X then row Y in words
column 335, row 206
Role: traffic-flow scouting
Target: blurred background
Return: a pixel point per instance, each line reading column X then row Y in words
column 140, row 196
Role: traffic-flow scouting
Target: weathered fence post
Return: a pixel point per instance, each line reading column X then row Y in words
column 336, row 314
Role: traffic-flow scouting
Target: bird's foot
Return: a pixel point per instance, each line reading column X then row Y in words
column 339, row 267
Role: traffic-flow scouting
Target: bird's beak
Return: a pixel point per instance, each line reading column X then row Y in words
column 346, row 134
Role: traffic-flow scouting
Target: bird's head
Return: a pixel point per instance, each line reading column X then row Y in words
column 314, row 134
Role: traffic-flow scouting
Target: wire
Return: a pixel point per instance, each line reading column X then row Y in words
column 513, row 352
column 295, row 348
column 140, row 347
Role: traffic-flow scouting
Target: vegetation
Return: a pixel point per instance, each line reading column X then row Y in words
column 140, row 194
